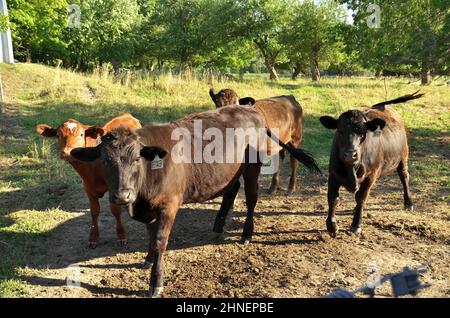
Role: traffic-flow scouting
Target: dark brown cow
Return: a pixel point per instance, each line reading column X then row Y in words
column 282, row 112
column 73, row 134
column 154, row 190
column 367, row 145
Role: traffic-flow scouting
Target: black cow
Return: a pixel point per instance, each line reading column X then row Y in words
column 367, row 145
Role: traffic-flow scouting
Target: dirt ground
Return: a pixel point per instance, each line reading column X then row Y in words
column 290, row 256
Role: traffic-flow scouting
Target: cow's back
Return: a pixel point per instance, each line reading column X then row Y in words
column 202, row 180
column 283, row 113
column 126, row 120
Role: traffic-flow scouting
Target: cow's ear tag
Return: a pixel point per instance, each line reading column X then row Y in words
column 157, row 163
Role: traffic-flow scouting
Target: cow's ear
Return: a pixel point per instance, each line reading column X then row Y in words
column 150, row 153
column 46, row 130
column 86, row 154
column 94, row 132
column 328, row 122
column 375, row 123
column 213, row 96
column 247, row 101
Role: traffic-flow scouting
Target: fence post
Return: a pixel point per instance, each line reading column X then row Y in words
column 1, row 95
column 7, row 55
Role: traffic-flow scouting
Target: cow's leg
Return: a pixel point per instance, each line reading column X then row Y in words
column 226, row 206
column 251, row 175
column 293, row 180
column 152, row 229
column 403, row 173
column 94, row 206
column 361, row 198
column 164, row 227
column 275, row 185
column 333, row 196
column 120, row 231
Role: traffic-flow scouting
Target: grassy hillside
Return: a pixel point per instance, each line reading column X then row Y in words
column 34, row 183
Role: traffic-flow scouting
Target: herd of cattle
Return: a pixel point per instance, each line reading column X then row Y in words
column 118, row 158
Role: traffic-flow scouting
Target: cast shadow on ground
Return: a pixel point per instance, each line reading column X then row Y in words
column 192, row 228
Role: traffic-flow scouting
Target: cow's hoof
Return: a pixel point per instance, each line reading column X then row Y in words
column 146, row 265
column 155, row 292
column 92, row 245
column 218, row 226
column 246, row 240
column 332, row 228
column 291, row 190
column 409, row 208
column 333, row 234
column 122, row 243
column 356, row 230
column 272, row 191
column 216, row 236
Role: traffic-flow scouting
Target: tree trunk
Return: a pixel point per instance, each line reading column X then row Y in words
column 378, row 73
column 116, row 66
column 425, row 74
column 272, row 71
column 160, row 65
column 27, row 56
column 297, row 70
column 315, row 72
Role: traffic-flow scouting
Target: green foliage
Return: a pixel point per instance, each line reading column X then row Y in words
column 412, row 38
column 105, row 32
column 37, row 29
column 230, row 35
column 4, row 22
column 314, row 34
column 264, row 22
column 194, row 33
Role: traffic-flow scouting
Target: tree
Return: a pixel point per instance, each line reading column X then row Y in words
column 264, row 21
column 313, row 35
column 195, row 33
column 225, row 48
column 105, row 33
column 412, row 38
column 37, row 29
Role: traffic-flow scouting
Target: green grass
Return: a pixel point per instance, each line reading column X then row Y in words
column 30, row 169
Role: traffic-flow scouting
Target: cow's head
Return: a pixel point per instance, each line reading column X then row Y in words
column 71, row 134
column 351, row 131
column 125, row 159
column 227, row 96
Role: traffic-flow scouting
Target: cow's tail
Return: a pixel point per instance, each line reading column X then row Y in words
column 402, row 99
column 302, row 156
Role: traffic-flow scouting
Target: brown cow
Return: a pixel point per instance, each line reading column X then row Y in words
column 227, row 96
column 73, row 134
column 367, row 145
column 143, row 176
column 282, row 112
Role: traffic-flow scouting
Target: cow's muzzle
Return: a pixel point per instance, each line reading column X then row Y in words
column 351, row 157
column 123, row 197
